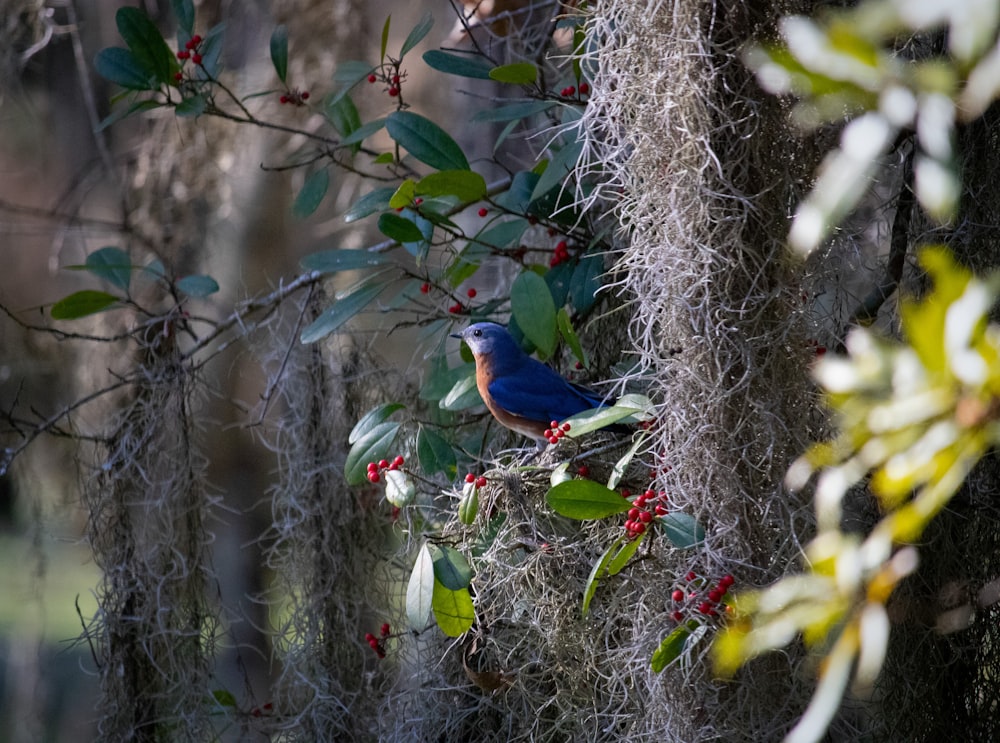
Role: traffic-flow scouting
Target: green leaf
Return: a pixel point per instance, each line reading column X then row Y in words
column 468, row 506
column 597, row 573
column 618, row 471
column 340, row 312
column 569, row 335
column 532, row 306
column 559, row 170
column 404, row 194
column 279, row 51
column 373, row 446
column 122, row 67
column 361, row 133
column 111, row 264
column 426, row 141
column 434, row 453
column 144, row 105
column 463, row 395
column 211, row 52
column 625, row 554
column 82, row 303
column 453, row 610
column 585, row 499
column 386, row 158
column 586, row 282
column 400, row 489
column 350, row 73
column 312, row 193
column 420, row 590
column 191, row 107
column 464, row 185
column 518, row 73
column 344, row 115
column 451, row 568
column 223, row 697
column 627, row 408
column 417, row 34
column 472, row 66
column 513, row 111
column 371, row 419
column 682, row 529
column 399, row 228
column 147, row 44
column 670, row 649
column 184, row 12
column 198, row 285
column 370, row 203
column 503, row 234
column 342, row 259
column 517, row 198
column 385, row 38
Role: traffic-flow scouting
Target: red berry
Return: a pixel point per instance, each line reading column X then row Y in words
column 690, row 576
column 196, row 39
column 455, row 309
column 190, row 44
column 196, row 58
column 481, row 482
column 369, row 637
column 661, row 510
column 392, row 467
column 571, row 90
column 553, row 439
column 704, row 608
column 677, row 595
column 372, row 78
column 639, row 528
column 584, row 88
column 566, row 427
column 383, row 463
column 284, row 99
column 820, row 350
column 373, row 643
column 583, row 471
column 178, row 76
column 425, row 288
column 183, row 54
column 393, row 91
column 727, row 581
column 305, row 93
column 398, row 461
column 470, row 478
column 546, row 433
column 553, row 425
column 372, row 467
column 633, row 513
column 395, row 79
column 471, row 293
column 373, row 477
column 418, row 201
column 578, row 365
column 483, row 211
column 385, row 629
column 395, row 512
column 715, row 594
column 645, row 517
column 678, row 616
column 561, row 246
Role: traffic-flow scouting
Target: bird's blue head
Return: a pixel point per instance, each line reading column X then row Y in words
column 490, row 339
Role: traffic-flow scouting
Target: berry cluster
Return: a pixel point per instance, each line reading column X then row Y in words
column 570, row 90
column 190, row 50
column 375, row 468
column 707, row 603
column 472, row 479
column 560, row 255
column 644, row 509
column 295, row 97
column 555, row 432
column 378, row 643
column 393, row 81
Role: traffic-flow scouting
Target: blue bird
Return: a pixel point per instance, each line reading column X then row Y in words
column 522, row 394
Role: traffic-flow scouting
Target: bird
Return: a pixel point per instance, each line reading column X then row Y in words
column 523, row 394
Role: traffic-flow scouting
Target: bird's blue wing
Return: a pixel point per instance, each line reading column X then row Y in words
column 537, row 393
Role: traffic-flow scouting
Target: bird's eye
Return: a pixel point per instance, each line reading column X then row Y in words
column 477, row 332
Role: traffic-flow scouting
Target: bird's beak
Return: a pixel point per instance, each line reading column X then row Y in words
column 455, row 335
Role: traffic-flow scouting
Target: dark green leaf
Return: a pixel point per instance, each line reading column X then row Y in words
column 559, row 169
column 586, row 282
column 332, row 261
column 557, row 279
column 111, row 264
column 399, row 228
column 442, row 379
column 513, row 111
column 211, row 52
column 682, row 529
column 453, row 610
column 279, row 51
column 312, row 193
column 532, row 306
column 385, row 38
column 417, row 34
column 350, row 73
column 518, row 73
column 191, row 106
column 426, row 141
column 464, row 185
column 451, row 568
column 569, row 335
column 624, row 554
column 434, row 453
column 468, row 505
column 340, row 312
column 82, row 303
column 670, row 649
column 465, row 264
column 198, row 286
column 224, row 697
column 503, row 234
column 597, row 573
column 121, row 67
column 344, row 115
column 585, row 499
column 456, row 64
column 147, row 44
column 420, row 590
column 370, row 203
column 373, row 446
column 361, row 133
column 184, row 12
column 463, row 395
column 625, row 408
column 517, row 198
column 372, row 418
